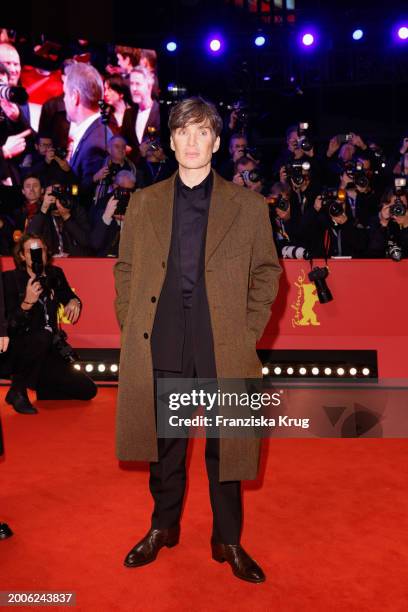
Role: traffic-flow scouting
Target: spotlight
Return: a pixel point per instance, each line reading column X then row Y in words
column 114, row 367
column 315, row 371
column 358, row 34
column 101, row 367
column 366, row 371
column 77, row 366
column 403, row 33
column 215, row 45
column 265, row 371
column 278, row 370
column 260, row 41
column 89, row 367
column 171, row 46
column 267, row 78
column 327, row 371
column 353, row 371
column 302, row 371
column 290, row 371
column 308, row 39
column 340, row 371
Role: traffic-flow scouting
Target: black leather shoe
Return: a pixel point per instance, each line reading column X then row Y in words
column 5, row 531
column 242, row 565
column 147, row 549
column 20, row 402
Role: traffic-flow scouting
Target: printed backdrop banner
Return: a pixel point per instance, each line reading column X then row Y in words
column 369, row 309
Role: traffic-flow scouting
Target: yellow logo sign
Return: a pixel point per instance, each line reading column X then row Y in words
column 305, row 301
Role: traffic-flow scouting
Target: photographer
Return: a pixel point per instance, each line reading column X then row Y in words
column 299, row 148
column 109, row 215
column 48, row 163
column 154, row 165
column 342, row 149
column 248, row 174
column 38, row 355
column 114, row 163
column 237, row 146
column 63, row 223
column 303, row 189
column 388, row 230
column 356, row 180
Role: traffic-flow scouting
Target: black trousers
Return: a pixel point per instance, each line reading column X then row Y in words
column 168, row 475
column 35, row 364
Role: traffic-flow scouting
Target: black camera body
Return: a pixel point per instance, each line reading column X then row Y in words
column 65, row 350
column 318, row 277
column 303, row 141
column 355, row 171
column 251, row 176
column 399, row 209
column 278, row 201
column 295, row 171
column 65, row 194
column 332, row 200
column 123, row 196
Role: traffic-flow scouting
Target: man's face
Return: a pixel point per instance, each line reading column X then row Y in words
column 250, row 184
column 71, row 99
column 346, row 152
column 126, row 183
column 123, row 62
column 117, row 150
column 292, row 141
column 32, row 189
column 194, row 145
column 44, row 145
column 11, row 59
column 140, row 87
column 237, row 147
column 26, row 254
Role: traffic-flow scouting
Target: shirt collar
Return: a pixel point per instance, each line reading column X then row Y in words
column 202, row 190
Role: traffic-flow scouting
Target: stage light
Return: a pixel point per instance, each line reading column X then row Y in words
column 315, row 371
column 89, row 367
column 215, row 45
column 171, row 46
column 327, row 371
column 266, row 78
column 403, row 33
column 265, row 371
column 353, row 371
column 77, row 366
column 340, row 371
column 358, row 34
column 366, row 371
column 302, row 371
column 308, row 39
column 101, row 367
column 290, row 371
column 278, row 370
column 114, row 367
column 260, row 41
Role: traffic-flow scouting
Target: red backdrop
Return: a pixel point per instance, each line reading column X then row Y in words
column 368, row 310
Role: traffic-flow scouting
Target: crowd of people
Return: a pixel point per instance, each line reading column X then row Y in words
column 106, row 136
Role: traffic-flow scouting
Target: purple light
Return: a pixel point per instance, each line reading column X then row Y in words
column 215, row 45
column 308, row 39
column 403, row 33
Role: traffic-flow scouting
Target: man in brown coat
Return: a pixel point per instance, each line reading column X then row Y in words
column 195, row 279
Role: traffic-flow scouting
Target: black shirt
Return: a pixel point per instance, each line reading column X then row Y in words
column 192, row 206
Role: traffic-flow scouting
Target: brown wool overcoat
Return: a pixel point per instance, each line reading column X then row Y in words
column 241, row 275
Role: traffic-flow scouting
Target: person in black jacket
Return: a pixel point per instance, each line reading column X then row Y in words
column 388, row 232
column 32, row 302
column 64, row 227
column 5, row 531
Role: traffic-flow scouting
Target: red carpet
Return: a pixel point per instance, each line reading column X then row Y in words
column 329, row 524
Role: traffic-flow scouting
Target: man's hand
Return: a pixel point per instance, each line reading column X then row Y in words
column 72, row 310
column 233, row 120
column 144, row 148
column 33, row 291
column 10, row 109
column 334, row 146
column 109, row 210
column 283, row 175
column 64, row 213
column 238, row 180
column 48, row 200
column 4, row 342
column 15, row 145
column 401, row 220
column 318, row 203
column 357, row 141
column 282, row 214
column 385, row 215
column 404, row 146
column 101, row 174
column 49, row 155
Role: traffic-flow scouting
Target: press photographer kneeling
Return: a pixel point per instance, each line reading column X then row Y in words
column 39, row 357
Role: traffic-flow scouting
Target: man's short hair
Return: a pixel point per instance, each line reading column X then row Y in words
column 291, row 128
column 243, row 161
column 195, row 110
column 87, row 81
column 238, row 136
column 133, row 53
column 116, row 137
column 125, row 174
column 31, row 175
column 148, row 74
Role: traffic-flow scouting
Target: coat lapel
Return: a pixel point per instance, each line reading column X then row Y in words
column 160, row 207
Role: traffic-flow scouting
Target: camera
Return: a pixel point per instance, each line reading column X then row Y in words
column 17, row 95
column 332, row 200
column 47, row 283
column 153, row 138
column 344, row 138
column 104, row 110
column 123, row 196
column 65, row 350
column 295, row 171
column 398, row 209
column 60, row 152
column 318, row 277
column 242, row 115
column 278, row 201
column 355, row 171
column 303, row 141
column 65, row 194
column 293, row 252
column 251, row 176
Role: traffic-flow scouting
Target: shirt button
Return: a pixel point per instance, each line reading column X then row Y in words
column 145, row 335
column 153, row 299
column 163, row 264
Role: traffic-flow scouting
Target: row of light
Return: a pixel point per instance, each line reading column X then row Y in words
column 101, row 367
column 307, row 38
column 315, row 371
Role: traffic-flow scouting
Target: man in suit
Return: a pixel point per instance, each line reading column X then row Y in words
column 144, row 114
column 196, row 276
column 83, row 88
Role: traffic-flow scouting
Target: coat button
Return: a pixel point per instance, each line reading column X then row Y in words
column 145, row 335
column 153, row 299
column 163, row 264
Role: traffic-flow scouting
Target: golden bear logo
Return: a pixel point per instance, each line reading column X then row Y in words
column 305, row 301
column 61, row 313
